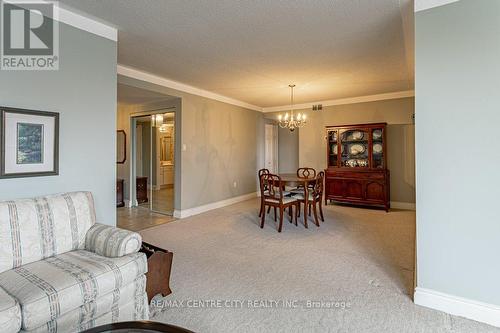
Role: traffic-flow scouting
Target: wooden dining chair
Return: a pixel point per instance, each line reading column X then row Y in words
column 304, row 173
column 274, row 197
column 315, row 199
column 262, row 190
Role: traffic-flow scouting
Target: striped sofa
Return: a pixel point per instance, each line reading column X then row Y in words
column 60, row 271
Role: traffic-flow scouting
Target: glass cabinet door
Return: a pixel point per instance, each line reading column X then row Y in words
column 332, row 148
column 378, row 148
column 355, row 150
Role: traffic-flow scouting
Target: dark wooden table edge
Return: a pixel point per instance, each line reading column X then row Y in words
column 143, row 324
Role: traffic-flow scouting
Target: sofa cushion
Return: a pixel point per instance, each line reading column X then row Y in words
column 10, row 313
column 49, row 288
column 34, row 229
column 113, row 302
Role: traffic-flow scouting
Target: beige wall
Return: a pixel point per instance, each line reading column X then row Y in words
column 123, row 123
column 223, row 146
column 288, row 152
column 397, row 113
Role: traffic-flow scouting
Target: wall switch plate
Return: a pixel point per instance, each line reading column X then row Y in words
column 235, row 184
column 184, row 147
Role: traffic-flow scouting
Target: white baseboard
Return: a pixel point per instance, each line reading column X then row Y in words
column 403, row 205
column 458, row 306
column 180, row 214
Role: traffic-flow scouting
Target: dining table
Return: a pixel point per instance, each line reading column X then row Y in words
column 291, row 179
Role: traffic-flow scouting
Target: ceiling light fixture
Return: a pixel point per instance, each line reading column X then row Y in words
column 289, row 120
column 157, row 120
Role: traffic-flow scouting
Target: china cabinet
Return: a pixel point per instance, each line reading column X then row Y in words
column 357, row 165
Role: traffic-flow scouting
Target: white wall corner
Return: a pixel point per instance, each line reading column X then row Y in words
column 428, row 4
column 181, row 214
column 458, row 306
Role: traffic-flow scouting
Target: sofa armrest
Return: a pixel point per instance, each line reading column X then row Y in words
column 112, row 242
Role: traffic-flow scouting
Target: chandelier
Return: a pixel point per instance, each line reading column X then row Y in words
column 291, row 121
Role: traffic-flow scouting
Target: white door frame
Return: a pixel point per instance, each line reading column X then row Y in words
column 271, row 149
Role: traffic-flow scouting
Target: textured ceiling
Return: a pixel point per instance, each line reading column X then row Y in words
column 129, row 95
column 252, row 50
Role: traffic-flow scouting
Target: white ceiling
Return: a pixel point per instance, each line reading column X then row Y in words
column 252, row 50
column 129, row 95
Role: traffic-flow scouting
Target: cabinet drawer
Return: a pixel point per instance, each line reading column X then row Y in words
column 356, row 175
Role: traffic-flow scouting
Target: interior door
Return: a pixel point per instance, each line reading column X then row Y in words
column 271, row 148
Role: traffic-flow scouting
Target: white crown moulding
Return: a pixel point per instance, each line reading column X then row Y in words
column 343, row 101
column 87, row 24
column 82, row 22
column 421, row 5
column 164, row 82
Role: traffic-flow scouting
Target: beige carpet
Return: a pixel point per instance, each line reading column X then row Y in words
column 359, row 262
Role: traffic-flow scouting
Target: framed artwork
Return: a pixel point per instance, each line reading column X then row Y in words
column 29, row 143
column 121, row 147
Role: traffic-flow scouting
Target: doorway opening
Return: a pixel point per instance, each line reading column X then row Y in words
column 148, row 177
column 154, row 160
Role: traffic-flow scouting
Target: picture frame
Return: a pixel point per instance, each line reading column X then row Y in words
column 121, row 147
column 29, row 143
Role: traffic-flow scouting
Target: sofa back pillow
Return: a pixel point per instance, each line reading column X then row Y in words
column 38, row 228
